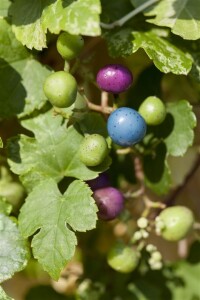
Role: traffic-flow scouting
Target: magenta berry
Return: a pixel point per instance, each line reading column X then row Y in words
column 100, row 182
column 114, row 78
column 110, row 203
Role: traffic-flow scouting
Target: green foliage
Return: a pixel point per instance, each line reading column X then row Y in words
column 166, row 56
column 76, row 17
column 62, row 212
column 181, row 17
column 14, row 248
column 54, row 156
column 20, row 76
column 46, row 204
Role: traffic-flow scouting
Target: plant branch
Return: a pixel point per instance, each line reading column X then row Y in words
column 127, row 17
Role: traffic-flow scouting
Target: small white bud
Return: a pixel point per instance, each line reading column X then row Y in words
column 142, row 223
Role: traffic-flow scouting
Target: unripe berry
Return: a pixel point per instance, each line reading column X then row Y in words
column 114, row 78
column 61, row 89
column 153, row 111
column 110, row 203
column 93, row 150
column 178, row 222
column 69, row 46
column 122, row 258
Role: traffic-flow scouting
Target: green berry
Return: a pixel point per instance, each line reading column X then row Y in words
column 123, row 258
column 93, row 150
column 178, row 222
column 153, row 110
column 69, row 46
column 61, row 89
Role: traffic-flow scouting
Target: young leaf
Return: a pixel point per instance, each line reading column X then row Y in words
column 181, row 16
column 3, row 295
column 14, row 253
column 182, row 135
column 1, row 143
column 57, row 216
column 166, row 56
column 30, row 24
column 53, row 153
column 21, row 77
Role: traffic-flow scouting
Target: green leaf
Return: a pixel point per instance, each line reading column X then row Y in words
column 14, row 253
column 21, row 77
column 53, row 153
column 31, row 23
column 182, row 135
column 156, row 170
column 185, row 283
column 56, row 216
column 5, row 207
column 1, row 143
column 3, row 295
column 166, row 56
column 120, row 42
column 4, row 5
column 181, row 16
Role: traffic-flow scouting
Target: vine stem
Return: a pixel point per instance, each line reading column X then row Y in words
column 170, row 201
column 127, row 17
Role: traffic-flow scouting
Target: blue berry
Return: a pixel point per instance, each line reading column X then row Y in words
column 126, row 126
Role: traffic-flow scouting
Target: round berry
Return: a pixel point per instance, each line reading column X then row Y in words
column 100, row 182
column 153, row 110
column 110, row 202
column 61, row 89
column 69, row 46
column 93, row 150
column 114, row 78
column 126, row 126
column 123, row 258
column 177, row 222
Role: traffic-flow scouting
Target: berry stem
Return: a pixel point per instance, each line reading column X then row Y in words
column 127, row 17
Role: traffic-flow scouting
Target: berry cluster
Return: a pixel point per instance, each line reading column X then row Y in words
column 126, row 127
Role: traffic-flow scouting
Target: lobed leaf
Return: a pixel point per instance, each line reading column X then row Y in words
column 53, row 153
column 57, row 216
column 32, row 19
column 181, row 16
column 14, row 252
column 166, row 56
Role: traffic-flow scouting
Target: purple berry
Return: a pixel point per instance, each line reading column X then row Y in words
column 100, row 182
column 110, row 203
column 114, row 78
